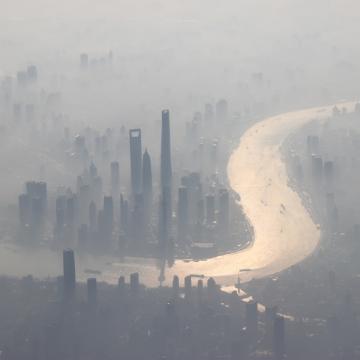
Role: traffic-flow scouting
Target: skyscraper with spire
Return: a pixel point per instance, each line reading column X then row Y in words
column 135, row 160
column 166, row 180
column 147, row 184
column 166, row 172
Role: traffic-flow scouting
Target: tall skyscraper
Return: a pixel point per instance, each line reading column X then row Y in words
column 69, row 274
column 176, row 286
column 134, row 283
column 166, row 172
column 135, row 160
column 147, row 184
column 138, row 221
column 164, row 219
column 252, row 320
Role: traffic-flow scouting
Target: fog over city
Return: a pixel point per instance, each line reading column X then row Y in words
column 179, row 179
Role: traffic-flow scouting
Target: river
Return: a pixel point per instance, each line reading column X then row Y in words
column 284, row 232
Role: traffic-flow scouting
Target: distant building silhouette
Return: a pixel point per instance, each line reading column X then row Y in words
column 165, row 165
column 252, row 320
column 69, row 274
column 221, row 111
column 135, row 160
column 147, row 185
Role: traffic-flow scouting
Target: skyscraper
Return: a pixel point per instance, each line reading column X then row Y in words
column 147, row 184
column 166, row 172
column 135, row 160
column 252, row 320
column 164, row 219
column 69, row 274
column 134, row 283
column 138, row 221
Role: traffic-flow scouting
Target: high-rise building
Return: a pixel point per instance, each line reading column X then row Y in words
column 134, row 283
column 69, row 274
column 37, row 190
column 165, row 165
column 147, row 180
column 194, row 195
column 164, row 219
column 135, row 160
column 252, row 320
column 270, row 316
column 317, row 166
column 121, row 284
column 32, row 73
column 187, row 287
column 138, row 221
column 175, row 286
column 328, row 170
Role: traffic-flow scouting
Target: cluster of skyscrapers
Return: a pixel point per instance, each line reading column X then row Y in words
column 140, row 219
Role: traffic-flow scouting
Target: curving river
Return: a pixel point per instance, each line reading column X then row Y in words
column 284, row 232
